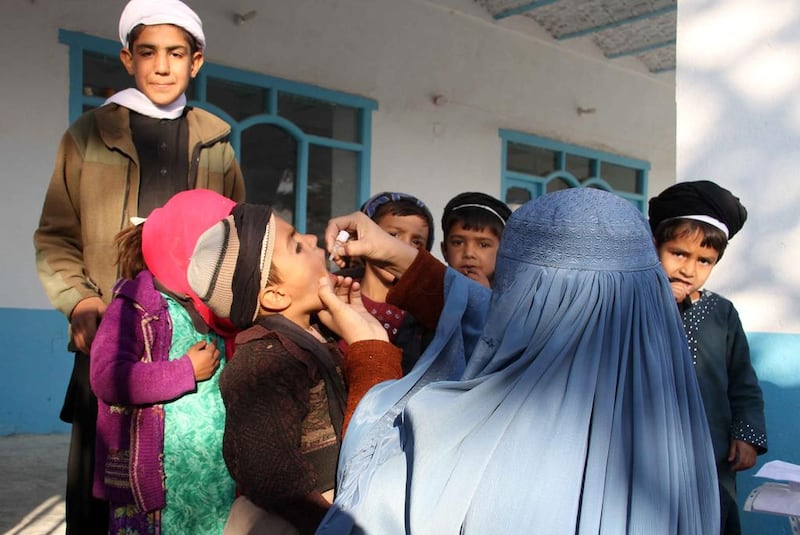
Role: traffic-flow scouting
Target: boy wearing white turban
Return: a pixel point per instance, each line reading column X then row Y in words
column 118, row 161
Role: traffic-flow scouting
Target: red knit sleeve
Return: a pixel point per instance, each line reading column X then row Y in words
column 420, row 290
column 366, row 364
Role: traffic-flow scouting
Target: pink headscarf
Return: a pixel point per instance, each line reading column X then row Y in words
column 169, row 236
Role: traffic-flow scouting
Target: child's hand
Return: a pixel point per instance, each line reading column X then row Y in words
column 741, row 455
column 344, row 312
column 478, row 276
column 205, row 360
column 84, row 319
column 680, row 290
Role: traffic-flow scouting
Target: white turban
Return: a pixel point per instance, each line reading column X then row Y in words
column 152, row 12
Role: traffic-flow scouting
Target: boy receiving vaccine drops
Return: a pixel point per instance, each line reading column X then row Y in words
column 284, row 391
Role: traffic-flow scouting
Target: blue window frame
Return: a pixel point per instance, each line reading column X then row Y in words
column 533, row 166
column 302, row 148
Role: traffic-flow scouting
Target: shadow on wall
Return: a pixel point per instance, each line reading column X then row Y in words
column 738, row 94
column 737, row 122
column 776, row 358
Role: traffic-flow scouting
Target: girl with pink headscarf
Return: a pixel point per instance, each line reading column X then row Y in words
column 155, row 366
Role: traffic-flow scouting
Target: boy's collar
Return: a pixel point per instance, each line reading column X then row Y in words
column 135, row 100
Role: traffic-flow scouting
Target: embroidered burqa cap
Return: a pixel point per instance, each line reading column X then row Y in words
column 561, row 401
column 701, row 200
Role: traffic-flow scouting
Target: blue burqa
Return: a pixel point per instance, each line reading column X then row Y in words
column 563, row 401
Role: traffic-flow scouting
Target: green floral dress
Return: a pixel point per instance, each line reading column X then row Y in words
column 199, row 489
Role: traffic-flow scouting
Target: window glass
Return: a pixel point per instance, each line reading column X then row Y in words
column 324, row 119
column 533, row 167
column 557, row 184
column 103, row 75
column 579, row 167
column 622, row 178
column 239, row 100
column 332, row 179
column 269, row 165
column 516, row 197
column 530, row 160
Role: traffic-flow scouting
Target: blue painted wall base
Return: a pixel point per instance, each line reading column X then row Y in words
column 35, row 371
column 776, row 358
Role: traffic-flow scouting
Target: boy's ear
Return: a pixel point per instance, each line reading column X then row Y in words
column 126, row 58
column 274, row 299
column 197, row 62
column 444, row 251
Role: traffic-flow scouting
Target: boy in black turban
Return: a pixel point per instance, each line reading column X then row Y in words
column 692, row 223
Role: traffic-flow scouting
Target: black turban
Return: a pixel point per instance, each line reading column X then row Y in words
column 698, row 198
column 480, row 201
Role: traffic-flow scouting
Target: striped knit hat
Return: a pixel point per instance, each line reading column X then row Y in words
column 231, row 263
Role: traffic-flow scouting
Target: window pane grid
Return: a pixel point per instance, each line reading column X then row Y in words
column 534, row 166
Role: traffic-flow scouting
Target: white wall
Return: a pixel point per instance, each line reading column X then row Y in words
column 400, row 53
column 739, row 124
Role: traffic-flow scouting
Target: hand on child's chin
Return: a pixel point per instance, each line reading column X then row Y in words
column 680, row 290
column 344, row 313
column 478, row 277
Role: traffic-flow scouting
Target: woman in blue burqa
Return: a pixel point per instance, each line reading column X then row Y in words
column 561, row 402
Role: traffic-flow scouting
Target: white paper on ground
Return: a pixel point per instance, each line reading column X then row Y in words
column 775, row 498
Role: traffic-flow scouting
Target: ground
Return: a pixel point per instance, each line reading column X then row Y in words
column 33, row 471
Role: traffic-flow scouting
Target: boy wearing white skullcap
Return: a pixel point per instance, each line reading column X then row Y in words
column 118, row 161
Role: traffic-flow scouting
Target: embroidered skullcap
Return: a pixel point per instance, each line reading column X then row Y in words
column 152, row 12
column 577, row 228
column 231, row 263
column 701, row 200
column 475, row 201
column 370, row 207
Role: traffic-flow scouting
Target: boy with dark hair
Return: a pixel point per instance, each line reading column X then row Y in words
column 119, row 161
column 472, row 223
column 692, row 223
column 409, row 220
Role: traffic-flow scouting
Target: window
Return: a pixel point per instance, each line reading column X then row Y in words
column 533, row 166
column 302, row 148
